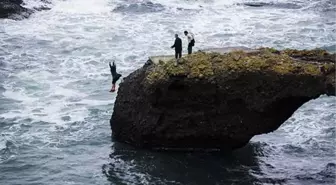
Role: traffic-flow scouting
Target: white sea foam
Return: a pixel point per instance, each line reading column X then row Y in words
column 305, row 141
column 58, row 72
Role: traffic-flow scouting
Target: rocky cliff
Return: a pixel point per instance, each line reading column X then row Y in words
column 214, row 100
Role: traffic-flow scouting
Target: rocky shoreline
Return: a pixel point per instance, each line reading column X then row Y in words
column 215, row 100
column 14, row 9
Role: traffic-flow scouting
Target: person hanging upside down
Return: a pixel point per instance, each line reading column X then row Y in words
column 115, row 75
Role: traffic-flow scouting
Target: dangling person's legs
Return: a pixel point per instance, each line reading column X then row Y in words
column 113, row 88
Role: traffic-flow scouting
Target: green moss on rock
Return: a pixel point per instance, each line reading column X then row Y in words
column 205, row 65
column 314, row 52
column 156, row 74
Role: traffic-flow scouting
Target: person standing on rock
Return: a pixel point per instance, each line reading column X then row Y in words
column 178, row 47
column 191, row 41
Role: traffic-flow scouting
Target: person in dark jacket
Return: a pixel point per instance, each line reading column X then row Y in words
column 115, row 75
column 178, row 47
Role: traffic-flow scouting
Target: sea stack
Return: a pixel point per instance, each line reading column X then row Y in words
column 217, row 100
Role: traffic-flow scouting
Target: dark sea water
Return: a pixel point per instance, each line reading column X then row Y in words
column 55, row 105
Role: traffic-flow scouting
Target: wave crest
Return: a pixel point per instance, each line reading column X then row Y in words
column 143, row 7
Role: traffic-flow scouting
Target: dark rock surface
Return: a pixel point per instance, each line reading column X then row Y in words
column 273, row 5
column 14, row 9
column 218, row 101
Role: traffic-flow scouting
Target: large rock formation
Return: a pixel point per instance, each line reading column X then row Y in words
column 218, row 101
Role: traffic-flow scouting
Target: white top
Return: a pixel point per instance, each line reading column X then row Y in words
column 190, row 36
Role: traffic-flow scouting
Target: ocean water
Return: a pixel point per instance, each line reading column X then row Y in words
column 55, row 105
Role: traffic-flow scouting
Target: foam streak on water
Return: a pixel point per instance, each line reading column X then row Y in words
column 54, row 82
column 303, row 148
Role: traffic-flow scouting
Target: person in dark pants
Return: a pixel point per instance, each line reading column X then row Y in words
column 191, row 41
column 178, row 47
column 115, row 75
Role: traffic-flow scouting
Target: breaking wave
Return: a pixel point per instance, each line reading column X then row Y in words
column 139, row 7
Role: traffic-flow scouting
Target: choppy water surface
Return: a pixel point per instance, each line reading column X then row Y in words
column 55, row 105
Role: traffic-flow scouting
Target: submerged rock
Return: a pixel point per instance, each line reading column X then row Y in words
column 218, row 100
column 272, row 5
column 13, row 9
